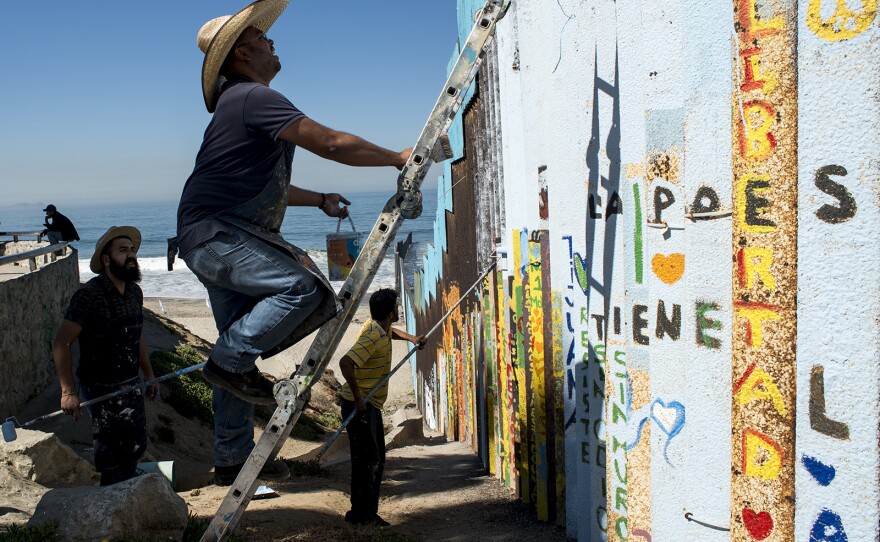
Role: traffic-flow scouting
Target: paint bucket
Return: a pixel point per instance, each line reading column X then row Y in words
column 342, row 251
column 165, row 468
column 9, row 433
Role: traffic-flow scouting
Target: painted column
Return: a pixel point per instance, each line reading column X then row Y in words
column 838, row 348
column 764, row 124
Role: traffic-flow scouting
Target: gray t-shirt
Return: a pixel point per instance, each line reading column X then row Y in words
column 237, row 157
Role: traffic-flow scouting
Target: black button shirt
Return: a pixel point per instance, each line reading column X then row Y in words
column 110, row 341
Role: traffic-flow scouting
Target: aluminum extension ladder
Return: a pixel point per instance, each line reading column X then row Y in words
column 293, row 394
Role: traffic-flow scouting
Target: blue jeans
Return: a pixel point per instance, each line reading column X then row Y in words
column 259, row 295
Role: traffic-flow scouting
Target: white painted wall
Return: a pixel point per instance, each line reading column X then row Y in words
column 671, row 70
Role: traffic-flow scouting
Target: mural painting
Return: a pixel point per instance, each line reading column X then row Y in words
column 702, row 365
column 764, row 118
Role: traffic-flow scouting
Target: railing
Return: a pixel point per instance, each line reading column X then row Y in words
column 16, row 234
column 47, row 252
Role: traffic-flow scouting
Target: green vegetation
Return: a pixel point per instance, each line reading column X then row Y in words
column 190, row 394
column 306, row 427
column 334, row 532
column 24, row 533
column 196, row 527
column 303, row 468
column 330, row 420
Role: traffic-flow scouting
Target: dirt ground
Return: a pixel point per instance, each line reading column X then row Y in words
column 432, row 489
column 435, row 490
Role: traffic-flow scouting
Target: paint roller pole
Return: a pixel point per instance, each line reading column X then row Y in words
column 9, row 425
column 351, row 416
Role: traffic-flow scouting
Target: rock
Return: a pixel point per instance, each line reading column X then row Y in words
column 406, row 428
column 20, row 496
column 42, row 458
column 145, row 506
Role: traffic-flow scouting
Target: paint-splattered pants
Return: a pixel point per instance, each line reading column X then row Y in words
column 366, row 440
column 119, row 431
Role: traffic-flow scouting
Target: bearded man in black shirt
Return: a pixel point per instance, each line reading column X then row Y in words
column 106, row 317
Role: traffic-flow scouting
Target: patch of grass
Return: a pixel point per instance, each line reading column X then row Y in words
column 333, row 532
column 25, row 533
column 303, row 468
column 196, row 527
column 169, row 327
column 190, row 394
column 330, row 420
column 306, row 427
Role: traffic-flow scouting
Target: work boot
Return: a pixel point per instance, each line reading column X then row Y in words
column 273, row 471
column 252, row 386
column 375, row 520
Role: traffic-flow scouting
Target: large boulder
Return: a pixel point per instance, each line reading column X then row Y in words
column 145, row 506
column 19, row 496
column 42, row 458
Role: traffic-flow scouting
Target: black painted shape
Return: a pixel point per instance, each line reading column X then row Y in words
column 594, row 201
column 615, row 206
column 617, row 320
column 639, row 323
column 665, row 326
column 847, row 207
column 818, row 420
column 756, row 204
column 660, row 203
column 600, row 325
column 714, row 204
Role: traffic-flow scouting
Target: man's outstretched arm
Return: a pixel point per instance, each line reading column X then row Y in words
column 341, row 147
column 327, row 202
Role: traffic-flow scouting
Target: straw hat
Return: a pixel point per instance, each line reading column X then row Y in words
column 217, row 36
column 96, row 265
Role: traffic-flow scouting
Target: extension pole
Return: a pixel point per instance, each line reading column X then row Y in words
column 9, row 425
column 351, row 416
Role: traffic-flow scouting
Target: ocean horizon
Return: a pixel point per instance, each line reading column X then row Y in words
column 305, row 227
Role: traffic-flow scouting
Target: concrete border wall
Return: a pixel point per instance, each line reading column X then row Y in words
column 31, row 308
column 681, row 341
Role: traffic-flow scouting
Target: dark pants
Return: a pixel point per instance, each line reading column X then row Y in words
column 366, row 438
column 119, row 431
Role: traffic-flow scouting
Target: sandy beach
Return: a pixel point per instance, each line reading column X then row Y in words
column 196, row 317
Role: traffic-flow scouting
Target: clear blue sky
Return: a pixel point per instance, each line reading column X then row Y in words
column 101, row 100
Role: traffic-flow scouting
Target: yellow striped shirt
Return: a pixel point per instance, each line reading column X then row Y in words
column 371, row 355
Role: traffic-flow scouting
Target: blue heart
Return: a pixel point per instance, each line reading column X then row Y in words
column 828, row 528
column 821, row 472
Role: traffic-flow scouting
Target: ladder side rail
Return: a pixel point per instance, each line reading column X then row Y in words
column 291, row 396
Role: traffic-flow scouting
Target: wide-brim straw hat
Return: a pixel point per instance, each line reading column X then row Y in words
column 96, row 265
column 217, row 36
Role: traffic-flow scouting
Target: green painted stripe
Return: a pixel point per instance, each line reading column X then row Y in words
column 637, row 233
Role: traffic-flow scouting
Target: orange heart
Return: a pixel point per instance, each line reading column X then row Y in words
column 668, row 268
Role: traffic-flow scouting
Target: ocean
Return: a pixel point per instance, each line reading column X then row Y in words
column 305, row 227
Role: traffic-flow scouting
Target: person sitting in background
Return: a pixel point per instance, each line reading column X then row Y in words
column 106, row 317
column 364, row 367
column 58, row 227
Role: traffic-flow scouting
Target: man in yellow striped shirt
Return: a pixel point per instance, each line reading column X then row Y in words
column 364, row 367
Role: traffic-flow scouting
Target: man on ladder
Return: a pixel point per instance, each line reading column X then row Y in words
column 266, row 294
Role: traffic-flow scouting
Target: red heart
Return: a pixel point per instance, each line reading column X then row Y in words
column 758, row 524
